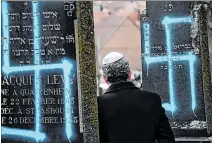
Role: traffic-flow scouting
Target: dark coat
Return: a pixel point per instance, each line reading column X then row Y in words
column 130, row 115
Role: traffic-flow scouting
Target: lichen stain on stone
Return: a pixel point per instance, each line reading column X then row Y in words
column 206, row 68
column 88, row 70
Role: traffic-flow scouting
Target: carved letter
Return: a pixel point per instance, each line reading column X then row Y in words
column 32, row 52
column 12, row 16
column 30, row 42
column 186, row 46
column 28, row 61
column 43, row 52
column 53, row 39
column 57, row 26
column 51, row 26
column 13, row 51
column 17, row 15
column 24, row 28
column 18, row 53
column 30, row 15
column 18, row 27
column 44, row 27
column 30, row 28
column 10, row 28
column 54, row 14
column 21, row 61
column 66, row 7
column 11, row 41
column 57, row 51
column 46, row 40
column 14, row 27
column 22, row 41
column 26, row 52
column 63, row 40
column 47, row 62
column 24, row 15
column 63, row 51
column 71, row 6
column 46, row 14
column 69, row 38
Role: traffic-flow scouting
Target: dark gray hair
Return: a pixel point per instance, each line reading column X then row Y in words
column 117, row 71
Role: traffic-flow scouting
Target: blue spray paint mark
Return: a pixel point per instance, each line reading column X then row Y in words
column 37, row 84
column 5, row 34
column 65, row 65
column 167, row 22
column 24, row 133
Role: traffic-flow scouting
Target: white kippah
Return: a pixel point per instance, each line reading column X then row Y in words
column 112, row 57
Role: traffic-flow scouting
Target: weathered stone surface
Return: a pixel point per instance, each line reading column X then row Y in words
column 166, row 73
column 87, row 70
column 51, row 45
column 205, row 59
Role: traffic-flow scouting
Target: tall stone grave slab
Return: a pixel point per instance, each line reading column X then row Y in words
column 174, row 64
column 48, row 80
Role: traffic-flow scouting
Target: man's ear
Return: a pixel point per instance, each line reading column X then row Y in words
column 105, row 79
column 129, row 75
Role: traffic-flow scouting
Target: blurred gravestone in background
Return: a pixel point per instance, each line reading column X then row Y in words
column 48, row 72
column 175, row 64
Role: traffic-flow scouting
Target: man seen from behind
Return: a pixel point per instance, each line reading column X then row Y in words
column 126, row 113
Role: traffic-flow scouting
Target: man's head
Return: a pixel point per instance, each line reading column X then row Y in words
column 115, row 68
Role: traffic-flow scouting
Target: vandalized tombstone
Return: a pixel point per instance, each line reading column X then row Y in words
column 48, row 72
column 173, row 64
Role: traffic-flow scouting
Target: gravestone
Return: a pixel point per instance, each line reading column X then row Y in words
column 173, row 64
column 48, row 81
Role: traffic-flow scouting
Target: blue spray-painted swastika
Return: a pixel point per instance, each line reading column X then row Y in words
column 168, row 22
column 66, row 65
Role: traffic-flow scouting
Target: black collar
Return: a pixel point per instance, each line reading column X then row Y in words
column 121, row 86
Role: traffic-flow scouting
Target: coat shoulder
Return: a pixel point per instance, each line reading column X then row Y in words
column 151, row 95
column 140, row 93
